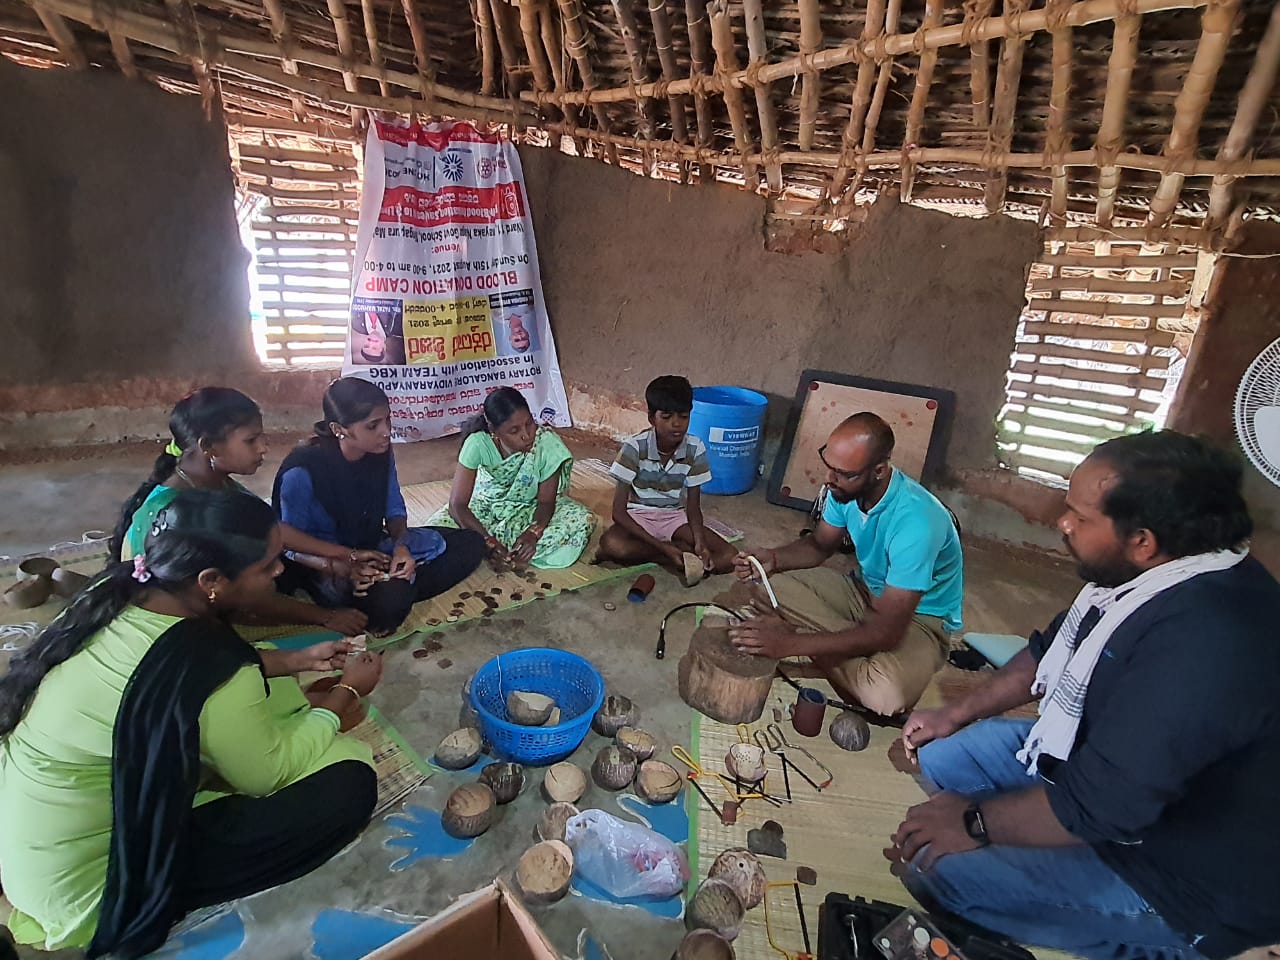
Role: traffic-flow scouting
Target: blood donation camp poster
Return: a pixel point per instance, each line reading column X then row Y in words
column 446, row 302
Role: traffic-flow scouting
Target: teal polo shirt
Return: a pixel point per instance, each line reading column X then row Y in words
column 908, row 541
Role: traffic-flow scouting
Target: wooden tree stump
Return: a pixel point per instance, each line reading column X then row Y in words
column 717, row 680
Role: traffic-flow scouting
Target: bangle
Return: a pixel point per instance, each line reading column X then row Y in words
column 537, row 529
column 346, row 686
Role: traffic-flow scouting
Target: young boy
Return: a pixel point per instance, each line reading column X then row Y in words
column 657, row 509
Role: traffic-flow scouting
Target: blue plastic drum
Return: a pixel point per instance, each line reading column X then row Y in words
column 730, row 421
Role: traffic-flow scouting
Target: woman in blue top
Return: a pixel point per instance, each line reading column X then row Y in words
column 217, row 436
column 341, row 487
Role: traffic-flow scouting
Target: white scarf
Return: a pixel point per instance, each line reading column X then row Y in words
column 1062, row 679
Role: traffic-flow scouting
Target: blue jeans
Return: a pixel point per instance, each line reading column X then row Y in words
column 1062, row 897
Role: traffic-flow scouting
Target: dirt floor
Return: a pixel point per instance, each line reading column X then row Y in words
column 50, row 501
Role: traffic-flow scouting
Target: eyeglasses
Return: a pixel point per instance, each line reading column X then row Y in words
column 849, row 476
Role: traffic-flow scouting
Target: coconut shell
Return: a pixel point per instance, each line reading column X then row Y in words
column 640, row 742
column 459, row 749
column 25, row 594
column 37, row 568
column 703, row 945
column 746, row 762
column 850, row 731
column 715, row 906
column 657, row 781
column 552, row 823
column 504, row 779
column 68, row 583
column 554, row 719
column 529, row 709
column 545, row 871
column 615, row 767
column 742, row 870
column 615, row 713
column 564, row 782
column 469, row 811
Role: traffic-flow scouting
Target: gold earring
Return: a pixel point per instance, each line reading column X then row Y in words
column 213, row 596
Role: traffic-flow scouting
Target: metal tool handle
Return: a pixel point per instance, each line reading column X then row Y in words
column 788, row 745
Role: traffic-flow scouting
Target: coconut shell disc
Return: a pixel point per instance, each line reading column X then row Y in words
column 469, row 811
column 715, row 906
column 545, row 871
column 564, row 782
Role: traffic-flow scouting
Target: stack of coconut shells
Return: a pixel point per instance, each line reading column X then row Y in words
column 545, row 870
column 735, row 884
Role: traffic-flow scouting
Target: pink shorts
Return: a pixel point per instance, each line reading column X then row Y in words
column 661, row 523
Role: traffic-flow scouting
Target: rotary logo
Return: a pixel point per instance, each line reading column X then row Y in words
column 486, row 168
column 452, row 164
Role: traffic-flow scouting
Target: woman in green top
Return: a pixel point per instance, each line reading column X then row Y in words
column 148, row 767
column 510, row 486
column 217, row 434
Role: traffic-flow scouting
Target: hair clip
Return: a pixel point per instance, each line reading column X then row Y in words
column 173, row 449
column 140, row 571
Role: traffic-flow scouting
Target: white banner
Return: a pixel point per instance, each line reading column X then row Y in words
column 446, row 304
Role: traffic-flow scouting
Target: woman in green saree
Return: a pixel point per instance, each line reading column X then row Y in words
column 510, row 486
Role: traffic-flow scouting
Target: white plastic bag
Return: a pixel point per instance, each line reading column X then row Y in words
column 625, row 859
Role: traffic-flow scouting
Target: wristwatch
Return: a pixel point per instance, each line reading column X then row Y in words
column 975, row 826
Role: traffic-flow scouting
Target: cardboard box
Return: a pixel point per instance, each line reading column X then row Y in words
column 489, row 924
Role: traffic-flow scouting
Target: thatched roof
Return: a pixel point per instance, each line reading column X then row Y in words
column 1103, row 112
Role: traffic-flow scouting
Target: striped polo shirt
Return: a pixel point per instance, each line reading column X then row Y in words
column 655, row 483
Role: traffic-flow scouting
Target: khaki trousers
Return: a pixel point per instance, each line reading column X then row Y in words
column 823, row 599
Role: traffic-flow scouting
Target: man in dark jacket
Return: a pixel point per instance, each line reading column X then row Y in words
column 1136, row 817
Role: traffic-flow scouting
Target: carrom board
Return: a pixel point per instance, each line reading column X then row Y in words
column 824, row 399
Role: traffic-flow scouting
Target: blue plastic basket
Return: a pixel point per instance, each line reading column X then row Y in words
column 574, row 684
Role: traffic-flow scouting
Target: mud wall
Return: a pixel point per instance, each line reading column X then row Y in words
column 644, row 277
column 121, row 254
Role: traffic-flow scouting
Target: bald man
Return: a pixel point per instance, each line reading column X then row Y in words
column 880, row 633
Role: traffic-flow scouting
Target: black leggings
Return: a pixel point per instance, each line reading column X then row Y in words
column 388, row 602
column 240, row 845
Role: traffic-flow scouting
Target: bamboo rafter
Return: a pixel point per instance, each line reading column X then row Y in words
column 1003, row 106
column 65, row 40
column 758, row 50
column 920, row 96
column 630, row 31
column 1002, row 138
column 1217, row 21
column 811, row 82
column 1124, row 54
column 664, row 43
column 1253, row 98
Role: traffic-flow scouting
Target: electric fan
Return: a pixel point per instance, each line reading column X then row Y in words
column 1258, row 412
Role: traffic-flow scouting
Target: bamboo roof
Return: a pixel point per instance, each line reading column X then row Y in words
column 1120, row 116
